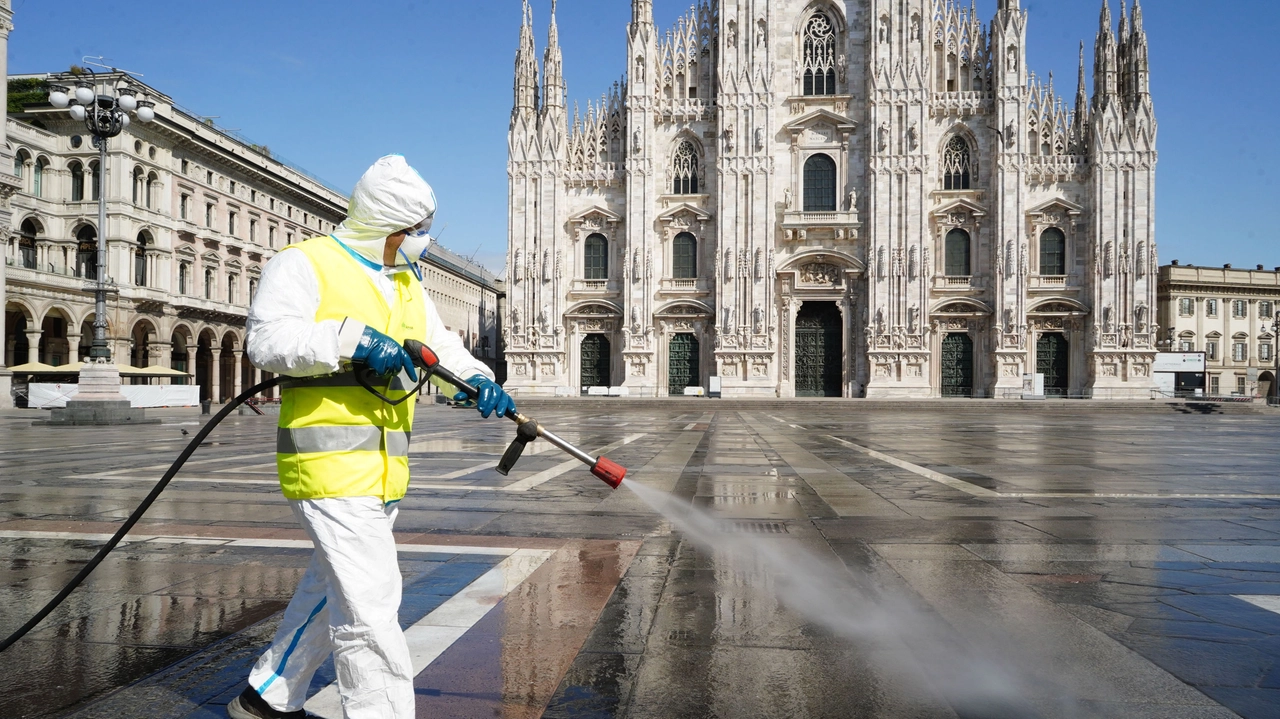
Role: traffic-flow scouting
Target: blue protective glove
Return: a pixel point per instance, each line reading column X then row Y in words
column 492, row 398
column 383, row 355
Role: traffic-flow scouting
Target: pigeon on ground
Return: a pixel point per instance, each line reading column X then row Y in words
column 185, row 433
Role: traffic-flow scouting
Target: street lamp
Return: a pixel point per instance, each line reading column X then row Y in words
column 103, row 107
column 104, row 104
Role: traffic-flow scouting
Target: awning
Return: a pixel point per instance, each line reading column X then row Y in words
column 42, row 368
column 125, row 370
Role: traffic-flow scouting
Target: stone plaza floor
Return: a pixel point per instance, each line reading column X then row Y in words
column 1058, row 561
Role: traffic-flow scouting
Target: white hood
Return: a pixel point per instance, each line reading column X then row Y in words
column 391, row 197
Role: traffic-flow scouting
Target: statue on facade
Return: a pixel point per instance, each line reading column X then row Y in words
column 544, row 320
column 757, row 320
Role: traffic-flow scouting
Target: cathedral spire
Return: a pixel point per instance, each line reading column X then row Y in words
column 1139, row 60
column 1082, row 97
column 1104, row 61
column 641, row 16
column 526, row 102
column 553, row 90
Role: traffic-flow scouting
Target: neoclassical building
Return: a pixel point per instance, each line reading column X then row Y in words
column 193, row 213
column 834, row 198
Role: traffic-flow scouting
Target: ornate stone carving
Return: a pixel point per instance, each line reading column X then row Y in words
column 819, row 273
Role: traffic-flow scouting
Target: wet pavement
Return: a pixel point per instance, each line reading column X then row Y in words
column 1100, row 563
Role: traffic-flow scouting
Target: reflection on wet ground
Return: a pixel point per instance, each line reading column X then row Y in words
column 1071, row 540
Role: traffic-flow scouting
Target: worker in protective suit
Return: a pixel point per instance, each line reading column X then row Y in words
column 323, row 305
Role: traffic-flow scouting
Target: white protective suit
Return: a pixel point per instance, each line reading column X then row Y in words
column 348, row 601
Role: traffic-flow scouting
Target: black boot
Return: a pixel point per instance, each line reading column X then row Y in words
column 251, row 705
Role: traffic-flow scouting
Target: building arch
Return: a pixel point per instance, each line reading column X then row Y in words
column 1057, row 305
column 820, row 37
column 959, row 158
column 687, row 175
column 961, row 306
column 822, row 254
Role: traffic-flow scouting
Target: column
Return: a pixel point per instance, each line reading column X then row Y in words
column 237, row 376
column 33, row 345
column 73, row 349
column 215, row 376
column 191, row 365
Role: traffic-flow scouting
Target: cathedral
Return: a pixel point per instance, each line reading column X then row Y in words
column 834, row 198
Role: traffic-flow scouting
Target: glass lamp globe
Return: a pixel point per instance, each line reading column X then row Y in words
column 77, row 112
column 146, row 112
column 127, row 102
column 84, row 94
column 58, row 97
column 124, row 121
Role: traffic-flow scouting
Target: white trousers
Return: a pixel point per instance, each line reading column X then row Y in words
column 347, row 605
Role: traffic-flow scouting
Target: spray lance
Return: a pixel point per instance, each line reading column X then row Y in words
column 527, row 429
column 426, row 360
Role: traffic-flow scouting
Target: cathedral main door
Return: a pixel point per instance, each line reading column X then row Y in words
column 595, row 361
column 1054, row 362
column 682, row 363
column 819, row 350
column 957, row 365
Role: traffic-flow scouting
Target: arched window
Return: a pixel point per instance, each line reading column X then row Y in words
column 140, row 261
column 151, row 187
column 27, row 244
column 184, row 274
column 819, row 56
column 685, row 170
column 684, row 256
column 595, row 264
column 97, row 180
column 137, row 185
column 87, row 253
column 957, row 254
column 820, row 184
column 19, row 163
column 957, row 165
column 1053, row 252
column 208, row 284
column 37, row 177
column 77, row 182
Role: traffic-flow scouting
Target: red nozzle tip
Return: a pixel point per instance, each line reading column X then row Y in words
column 609, row 472
column 429, row 357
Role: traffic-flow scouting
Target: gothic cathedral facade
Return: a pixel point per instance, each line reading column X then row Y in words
column 843, row 198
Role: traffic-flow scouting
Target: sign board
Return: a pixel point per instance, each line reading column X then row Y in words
column 1179, row 362
column 1251, row 374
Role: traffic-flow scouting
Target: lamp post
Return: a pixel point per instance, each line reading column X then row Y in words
column 104, row 106
column 105, row 115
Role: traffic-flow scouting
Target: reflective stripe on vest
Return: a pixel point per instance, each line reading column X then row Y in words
column 311, row 440
column 335, row 438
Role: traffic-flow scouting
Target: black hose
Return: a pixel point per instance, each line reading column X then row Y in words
column 142, row 508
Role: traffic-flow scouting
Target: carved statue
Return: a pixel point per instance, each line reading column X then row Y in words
column 786, row 198
column 915, row 28
column 842, row 67
column 853, row 201
column 759, row 139
column 1140, row 317
column 883, row 141
column 544, row 320
column 635, row 142
column 515, row 319
column 913, row 319
column 635, row 266
column 728, row 139
column 728, row 318
column 1108, row 260
column 1107, row 319
column 757, row 320
column 913, row 136
column 635, row 319
column 880, row 321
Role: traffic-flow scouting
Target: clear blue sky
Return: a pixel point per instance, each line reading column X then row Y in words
column 332, row 86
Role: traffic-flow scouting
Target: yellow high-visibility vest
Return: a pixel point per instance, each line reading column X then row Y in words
column 335, row 438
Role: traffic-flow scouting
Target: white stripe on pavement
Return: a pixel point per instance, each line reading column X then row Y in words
column 436, row 632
